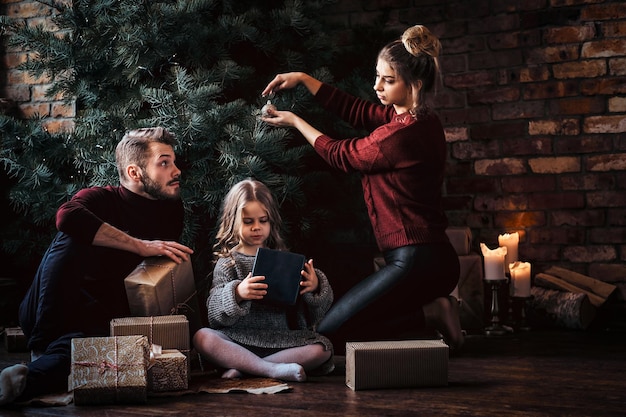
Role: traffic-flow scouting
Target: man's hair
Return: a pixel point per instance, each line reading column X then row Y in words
column 242, row 193
column 134, row 146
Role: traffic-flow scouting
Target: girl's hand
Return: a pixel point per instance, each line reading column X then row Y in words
column 309, row 282
column 251, row 288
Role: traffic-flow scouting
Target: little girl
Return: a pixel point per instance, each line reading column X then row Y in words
column 247, row 336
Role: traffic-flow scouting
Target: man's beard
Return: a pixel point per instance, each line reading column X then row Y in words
column 155, row 190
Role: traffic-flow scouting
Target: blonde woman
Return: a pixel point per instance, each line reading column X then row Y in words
column 246, row 336
column 401, row 162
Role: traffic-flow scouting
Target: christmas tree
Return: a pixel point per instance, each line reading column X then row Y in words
column 196, row 67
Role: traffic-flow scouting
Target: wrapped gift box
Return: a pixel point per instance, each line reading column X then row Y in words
column 168, row 372
column 14, row 340
column 159, row 286
column 109, row 370
column 396, row 364
column 169, row 332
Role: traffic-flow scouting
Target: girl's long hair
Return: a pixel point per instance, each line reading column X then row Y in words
column 242, row 193
column 415, row 58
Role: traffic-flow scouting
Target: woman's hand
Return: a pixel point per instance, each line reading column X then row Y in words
column 283, row 82
column 309, row 282
column 251, row 288
column 290, row 80
column 279, row 118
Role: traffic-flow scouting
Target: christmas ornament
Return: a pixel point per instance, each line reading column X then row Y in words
column 265, row 110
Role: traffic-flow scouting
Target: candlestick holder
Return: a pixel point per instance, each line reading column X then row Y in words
column 518, row 305
column 496, row 328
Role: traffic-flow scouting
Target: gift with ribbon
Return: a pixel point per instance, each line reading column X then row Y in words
column 166, row 332
column 109, row 370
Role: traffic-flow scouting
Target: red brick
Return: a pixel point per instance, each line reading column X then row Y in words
column 506, row 129
column 617, row 104
column 557, row 236
column 611, row 273
column 456, row 134
column 493, row 95
column 604, row 48
column 518, row 221
column 611, row 10
column 474, row 149
column 614, row 29
column 611, row 86
column 606, row 198
column 569, row 34
column 30, row 110
column 577, row 218
column 465, row 116
column 498, row 167
column 583, row 144
column 583, row 182
column 616, row 217
column 608, row 162
column 555, row 165
column 452, row 63
column 554, row 201
column 552, row 54
column 554, row 127
column 469, row 80
column 497, row 59
column 449, row 99
column 508, row 6
column 589, row 253
column 604, row 124
column 463, row 45
column 546, row 253
column 27, row 9
column 528, row 184
column 552, row 89
column 519, row 110
column 534, row 74
column 513, row 202
column 607, row 235
column 578, row 105
column 472, row 185
column 527, row 146
column 580, row 69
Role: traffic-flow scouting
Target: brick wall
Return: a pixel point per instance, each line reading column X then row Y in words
column 534, row 105
column 27, row 95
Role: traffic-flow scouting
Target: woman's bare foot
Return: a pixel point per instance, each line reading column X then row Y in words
column 443, row 315
column 289, row 372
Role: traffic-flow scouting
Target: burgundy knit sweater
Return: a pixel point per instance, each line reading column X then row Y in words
column 401, row 163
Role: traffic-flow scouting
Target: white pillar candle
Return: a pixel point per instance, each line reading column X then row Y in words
column 511, row 241
column 493, row 262
column 520, row 279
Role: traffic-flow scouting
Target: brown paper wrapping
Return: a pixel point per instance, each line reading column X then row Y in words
column 168, row 372
column 109, row 370
column 169, row 332
column 159, row 286
column 396, row 364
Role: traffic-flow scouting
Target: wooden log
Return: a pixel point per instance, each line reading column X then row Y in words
column 600, row 288
column 552, row 282
column 562, row 308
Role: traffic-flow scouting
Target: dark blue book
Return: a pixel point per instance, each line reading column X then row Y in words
column 282, row 271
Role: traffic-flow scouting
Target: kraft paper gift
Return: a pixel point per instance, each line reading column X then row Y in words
column 159, row 286
column 396, row 364
column 168, row 332
column 168, row 372
column 109, row 370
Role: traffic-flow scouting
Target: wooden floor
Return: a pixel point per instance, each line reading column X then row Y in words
column 535, row 373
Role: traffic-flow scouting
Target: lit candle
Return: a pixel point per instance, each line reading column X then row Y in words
column 510, row 240
column 520, row 279
column 494, row 262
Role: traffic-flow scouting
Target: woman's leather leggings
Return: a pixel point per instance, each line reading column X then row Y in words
column 413, row 275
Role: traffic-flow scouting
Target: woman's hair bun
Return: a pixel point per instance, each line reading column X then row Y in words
column 418, row 39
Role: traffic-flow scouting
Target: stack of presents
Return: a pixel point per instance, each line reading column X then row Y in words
column 150, row 351
column 145, row 354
